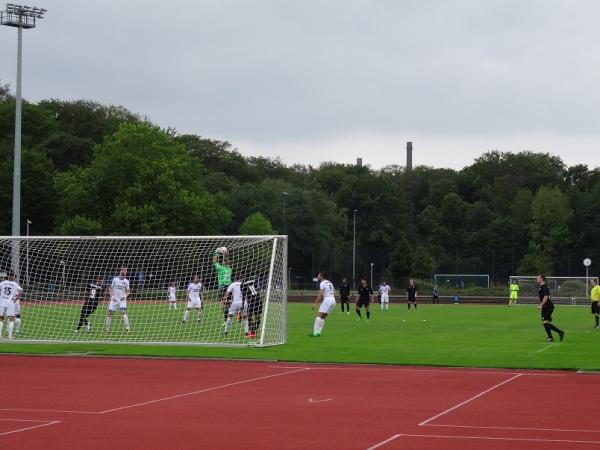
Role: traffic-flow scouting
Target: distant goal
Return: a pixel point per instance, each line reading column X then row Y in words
column 563, row 290
column 56, row 274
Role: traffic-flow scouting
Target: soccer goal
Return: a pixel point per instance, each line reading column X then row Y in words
column 563, row 290
column 67, row 283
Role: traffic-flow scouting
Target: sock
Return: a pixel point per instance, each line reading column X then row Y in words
column 381, row 305
column 228, row 324
column 174, row 305
column 107, row 322
column 79, row 324
column 1, row 326
column 548, row 332
column 11, row 326
column 18, row 324
column 126, row 321
column 368, row 314
column 319, row 324
column 553, row 328
column 199, row 315
column 246, row 327
column 387, row 305
column 408, row 305
column 186, row 314
column 415, row 305
column 597, row 320
column 359, row 314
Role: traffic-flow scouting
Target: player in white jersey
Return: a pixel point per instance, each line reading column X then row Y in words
column 238, row 305
column 10, row 291
column 172, row 295
column 384, row 291
column 119, row 291
column 194, row 293
column 327, row 298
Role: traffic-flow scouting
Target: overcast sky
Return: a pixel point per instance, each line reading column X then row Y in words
column 333, row 80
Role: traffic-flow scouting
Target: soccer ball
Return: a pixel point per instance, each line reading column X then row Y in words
column 222, row 250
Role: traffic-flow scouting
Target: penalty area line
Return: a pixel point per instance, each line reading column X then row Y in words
column 387, row 441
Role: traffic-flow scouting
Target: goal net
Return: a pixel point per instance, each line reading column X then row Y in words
column 67, row 289
column 563, row 290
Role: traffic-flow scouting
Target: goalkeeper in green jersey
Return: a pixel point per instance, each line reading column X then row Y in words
column 223, row 269
column 514, row 294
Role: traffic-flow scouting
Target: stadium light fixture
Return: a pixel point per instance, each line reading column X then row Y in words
column 19, row 17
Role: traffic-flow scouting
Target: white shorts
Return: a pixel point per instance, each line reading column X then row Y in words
column 172, row 298
column 327, row 305
column 196, row 303
column 385, row 298
column 117, row 304
column 236, row 308
column 7, row 308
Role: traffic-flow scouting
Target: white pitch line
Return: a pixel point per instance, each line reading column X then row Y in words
column 496, row 386
column 214, row 388
column 436, row 436
column 46, row 424
column 560, row 430
column 310, row 400
column 382, row 443
column 546, row 348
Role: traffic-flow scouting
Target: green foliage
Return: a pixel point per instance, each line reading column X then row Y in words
column 92, row 169
column 141, row 182
column 256, row 224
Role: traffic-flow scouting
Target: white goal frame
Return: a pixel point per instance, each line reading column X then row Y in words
column 576, row 292
column 57, row 297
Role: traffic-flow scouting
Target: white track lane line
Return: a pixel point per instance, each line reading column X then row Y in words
column 214, row 388
column 47, row 423
column 496, row 386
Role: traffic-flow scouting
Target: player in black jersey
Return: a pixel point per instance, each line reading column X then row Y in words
column 345, row 295
column 411, row 294
column 363, row 298
column 95, row 292
column 546, row 306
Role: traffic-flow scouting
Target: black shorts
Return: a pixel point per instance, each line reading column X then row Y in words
column 88, row 308
column 345, row 299
column 412, row 300
column 360, row 303
column 547, row 312
column 595, row 308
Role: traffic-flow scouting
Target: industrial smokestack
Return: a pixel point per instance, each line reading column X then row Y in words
column 409, row 156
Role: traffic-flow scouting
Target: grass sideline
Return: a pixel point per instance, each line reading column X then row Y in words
column 436, row 335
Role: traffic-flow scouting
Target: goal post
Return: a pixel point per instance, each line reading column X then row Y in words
column 563, row 290
column 58, row 275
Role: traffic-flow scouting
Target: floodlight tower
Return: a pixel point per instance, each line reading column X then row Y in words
column 19, row 17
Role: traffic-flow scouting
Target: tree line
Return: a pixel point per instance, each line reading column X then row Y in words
column 93, row 169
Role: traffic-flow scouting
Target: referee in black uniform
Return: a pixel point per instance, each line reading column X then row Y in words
column 547, row 307
column 345, row 295
column 411, row 294
column 95, row 292
column 363, row 298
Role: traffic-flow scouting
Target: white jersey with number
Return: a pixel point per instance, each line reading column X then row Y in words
column 235, row 289
column 172, row 293
column 9, row 291
column 385, row 289
column 119, row 288
column 194, row 291
column 328, row 290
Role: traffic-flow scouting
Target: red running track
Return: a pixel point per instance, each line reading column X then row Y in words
column 93, row 403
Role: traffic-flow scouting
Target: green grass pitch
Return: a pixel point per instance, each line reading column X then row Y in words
column 440, row 335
